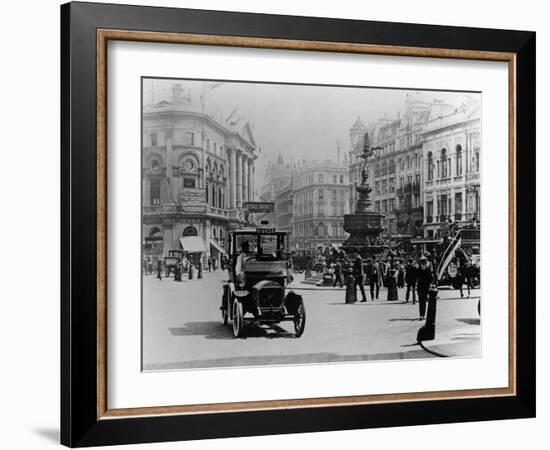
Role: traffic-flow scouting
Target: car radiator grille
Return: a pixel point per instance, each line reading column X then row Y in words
column 270, row 298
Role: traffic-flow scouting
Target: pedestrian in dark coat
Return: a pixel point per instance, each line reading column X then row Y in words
column 358, row 275
column 423, row 281
column 400, row 275
column 159, row 269
column 177, row 271
column 374, row 275
column 411, row 273
column 467, row 275
column 392, row 282
column 338, row 274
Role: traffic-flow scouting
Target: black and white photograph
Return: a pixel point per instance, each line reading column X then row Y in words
column 287, row 224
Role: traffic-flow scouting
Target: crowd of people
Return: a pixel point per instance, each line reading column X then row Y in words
column 384, row 271
column 154, row 264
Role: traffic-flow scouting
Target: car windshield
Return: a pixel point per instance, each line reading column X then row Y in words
column 261, row 246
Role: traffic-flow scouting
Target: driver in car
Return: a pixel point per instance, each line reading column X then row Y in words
column 239, row 265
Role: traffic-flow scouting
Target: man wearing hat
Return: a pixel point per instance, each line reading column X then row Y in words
column 424, row 279
column 410, row 278
column 358, row 275
column 374, row 276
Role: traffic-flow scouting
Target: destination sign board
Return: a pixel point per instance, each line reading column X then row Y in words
column 264, row 230
column 259, row 207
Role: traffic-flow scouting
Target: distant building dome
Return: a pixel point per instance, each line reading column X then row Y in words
column 358, row 126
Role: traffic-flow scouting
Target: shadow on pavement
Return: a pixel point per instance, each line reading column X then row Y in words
column 470, row 321
column 215, row 330
column 210, row 330
column 405, row 319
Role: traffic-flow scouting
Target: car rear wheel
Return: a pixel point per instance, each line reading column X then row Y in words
column 238, row 321
column 300, row 319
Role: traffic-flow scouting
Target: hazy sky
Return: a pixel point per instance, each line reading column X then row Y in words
column 297, row 121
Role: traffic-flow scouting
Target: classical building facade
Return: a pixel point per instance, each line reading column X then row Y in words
column 320, row 198
column 451, row 148
column 398, row 176
column 196, row 173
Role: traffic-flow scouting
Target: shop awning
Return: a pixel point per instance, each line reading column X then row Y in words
column 192, row 244
column 218, row 247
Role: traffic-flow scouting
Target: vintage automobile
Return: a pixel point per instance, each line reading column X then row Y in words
column 171, row 260
column 259, row 272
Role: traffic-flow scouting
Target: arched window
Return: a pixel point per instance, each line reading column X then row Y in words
column 190, row 231
column 155, row 232
column 458, row 160
column 207, row 196
column 220, row 198
column 430, row 166
column 444, row 173
column 155, row 164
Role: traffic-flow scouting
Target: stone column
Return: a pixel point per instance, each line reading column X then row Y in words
column 254, row 182
column 232, row 181
column 250, row 180
column 167, row 238
column 239, row 177
column 169, row 165
column 245, row 178
column 464, row 203
column 453, row 206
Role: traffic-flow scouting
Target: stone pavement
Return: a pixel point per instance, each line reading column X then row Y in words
column 182, row 328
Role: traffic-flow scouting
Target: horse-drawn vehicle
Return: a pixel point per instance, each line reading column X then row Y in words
column 459, row 263
column 171, row 260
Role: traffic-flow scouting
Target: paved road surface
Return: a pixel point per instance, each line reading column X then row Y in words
column 182, row 328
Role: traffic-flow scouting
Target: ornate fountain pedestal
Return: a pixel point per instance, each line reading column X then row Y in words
column 364, row 226
column 364, row 229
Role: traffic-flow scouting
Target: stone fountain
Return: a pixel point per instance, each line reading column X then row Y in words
column 364, row 225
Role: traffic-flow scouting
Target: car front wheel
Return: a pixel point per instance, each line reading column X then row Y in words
column 238, row 321
column 300, row 319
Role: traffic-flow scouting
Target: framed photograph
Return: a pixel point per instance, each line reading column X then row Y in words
column 276, row 224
